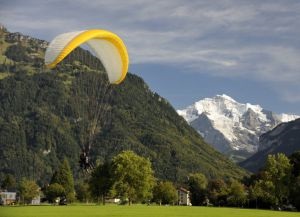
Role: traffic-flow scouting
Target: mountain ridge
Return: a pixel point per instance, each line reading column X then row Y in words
column 284, row 138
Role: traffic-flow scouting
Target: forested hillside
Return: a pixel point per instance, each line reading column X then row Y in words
column 38, row 129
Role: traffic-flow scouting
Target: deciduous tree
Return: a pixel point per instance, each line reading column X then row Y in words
column 197, row 185
column 54, row 191
column 278, row 171
column 165, row 193
column 217, row 192
column 83, row 192
column 28, row 190
column 133, row 177
column 295, row 183
column 101, row 181
column 8, row 182
column 237, row 195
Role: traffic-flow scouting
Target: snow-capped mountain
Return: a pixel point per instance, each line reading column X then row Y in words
column 232, row 127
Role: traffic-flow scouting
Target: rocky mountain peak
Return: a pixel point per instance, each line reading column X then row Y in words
column 17, row 37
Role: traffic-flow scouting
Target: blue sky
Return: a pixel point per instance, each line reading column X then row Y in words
column 188, row 50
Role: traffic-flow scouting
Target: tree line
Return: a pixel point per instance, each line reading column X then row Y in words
column 276, row 186
column 130, row 178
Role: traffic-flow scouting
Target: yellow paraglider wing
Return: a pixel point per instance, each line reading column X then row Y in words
column 107, row 46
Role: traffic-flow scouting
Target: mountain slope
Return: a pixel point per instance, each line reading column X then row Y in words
column 285, row 138
column 232, row 127
column 37, row 128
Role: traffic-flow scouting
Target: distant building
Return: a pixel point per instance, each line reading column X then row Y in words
column 184, row 197
column 2, row 27
column 8, row 198
column 36, row 200
column 112, row 200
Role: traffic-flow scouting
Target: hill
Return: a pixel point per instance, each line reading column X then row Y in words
column 285, row 138
column 38, row 129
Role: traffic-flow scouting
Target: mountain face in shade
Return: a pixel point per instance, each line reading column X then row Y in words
column 231, row 127
column 285, row 138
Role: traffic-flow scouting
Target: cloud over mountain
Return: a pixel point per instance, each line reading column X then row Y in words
column 257, row 40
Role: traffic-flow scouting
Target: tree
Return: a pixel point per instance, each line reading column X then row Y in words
column 295, row 196
column 263, row 192
column 17, row 52
column 54, row 191
column 295, row 186
column 165, row 193
column 197, row 185
column 82, row 192
column 133, row 177
column 101, row 181
column 28, row 190
column 237, row 195
column 295, row 161
column 278, row 171
column 64, row 177
column 272, row 187
column 217, row 192
column 8, row 182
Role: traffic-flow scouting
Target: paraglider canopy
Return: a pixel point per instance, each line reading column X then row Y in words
column 107, row 46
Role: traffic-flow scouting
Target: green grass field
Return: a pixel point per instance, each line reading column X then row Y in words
column 136, row 210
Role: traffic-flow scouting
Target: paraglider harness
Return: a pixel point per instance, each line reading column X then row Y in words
column 84, row 161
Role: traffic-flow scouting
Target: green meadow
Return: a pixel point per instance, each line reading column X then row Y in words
column 135, row 210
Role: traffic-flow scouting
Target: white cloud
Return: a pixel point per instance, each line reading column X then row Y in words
column 259, row 40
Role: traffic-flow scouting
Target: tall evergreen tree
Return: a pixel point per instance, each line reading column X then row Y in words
column 64, row 177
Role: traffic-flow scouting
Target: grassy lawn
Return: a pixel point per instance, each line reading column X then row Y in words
column 136, row 210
